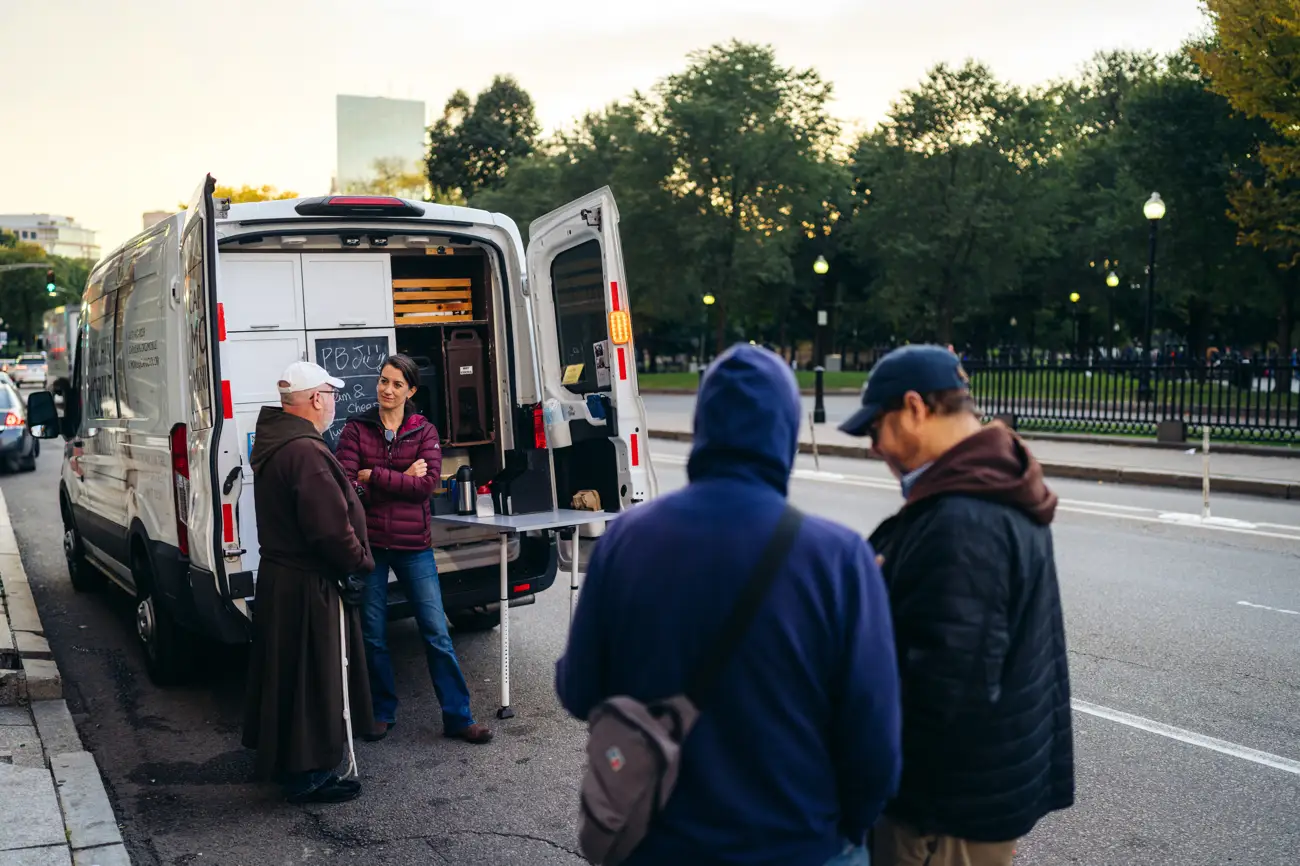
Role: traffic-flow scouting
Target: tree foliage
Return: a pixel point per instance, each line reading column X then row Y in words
column 970, row 214
column 246, row 194
column 474, row 143
column 392, row 177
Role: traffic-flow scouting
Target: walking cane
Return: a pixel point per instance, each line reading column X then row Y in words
column 352, row 772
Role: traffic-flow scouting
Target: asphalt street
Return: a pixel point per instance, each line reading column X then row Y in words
column 1184, row 660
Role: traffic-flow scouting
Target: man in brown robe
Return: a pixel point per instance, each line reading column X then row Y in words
column 312, row 530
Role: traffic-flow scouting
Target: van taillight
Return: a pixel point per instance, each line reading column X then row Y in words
column 181, row 485
column 539, row 428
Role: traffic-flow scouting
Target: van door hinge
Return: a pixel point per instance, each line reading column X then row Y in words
column 591, row 216
column 221, row 206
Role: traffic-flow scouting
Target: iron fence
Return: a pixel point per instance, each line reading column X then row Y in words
column 1238, row 400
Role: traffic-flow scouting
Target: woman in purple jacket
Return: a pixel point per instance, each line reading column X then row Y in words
column 393, row 457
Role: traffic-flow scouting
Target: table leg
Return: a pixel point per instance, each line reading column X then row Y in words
column 505, row 712
column 573, row 577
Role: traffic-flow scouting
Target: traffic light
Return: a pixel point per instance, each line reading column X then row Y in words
column 49, row 281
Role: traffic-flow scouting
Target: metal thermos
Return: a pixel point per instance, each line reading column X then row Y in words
column 466, row 492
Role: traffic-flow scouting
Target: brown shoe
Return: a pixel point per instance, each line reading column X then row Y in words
column 475, row 733
column 380, row 731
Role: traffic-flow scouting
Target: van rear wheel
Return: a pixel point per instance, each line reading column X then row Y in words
column 168, row 648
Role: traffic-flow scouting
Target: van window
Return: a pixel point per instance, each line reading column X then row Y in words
column 196, row 327
column 101, row 388
column 578, row 277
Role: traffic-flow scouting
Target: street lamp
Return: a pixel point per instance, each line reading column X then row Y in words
column 709, row 301
column 821, row 268
column 1074, row 305
column 1154, row 211
column 1112, row 279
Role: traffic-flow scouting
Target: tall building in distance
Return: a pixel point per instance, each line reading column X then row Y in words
column 57, row 235
column 372, row 128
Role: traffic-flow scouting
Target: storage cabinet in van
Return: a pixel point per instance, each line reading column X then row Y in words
column 505, row 338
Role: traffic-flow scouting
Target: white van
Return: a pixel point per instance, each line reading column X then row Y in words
column 185, row 328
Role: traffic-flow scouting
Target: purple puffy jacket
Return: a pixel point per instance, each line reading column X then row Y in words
column 397, row 505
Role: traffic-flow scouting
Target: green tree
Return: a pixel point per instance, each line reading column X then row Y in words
column 948, row 206
column 1254, row 62
column 474, row 143
column 751, row 144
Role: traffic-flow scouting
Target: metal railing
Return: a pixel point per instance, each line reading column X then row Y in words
column 1256, row 401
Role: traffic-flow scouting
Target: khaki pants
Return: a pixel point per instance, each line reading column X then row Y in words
column 900, row 845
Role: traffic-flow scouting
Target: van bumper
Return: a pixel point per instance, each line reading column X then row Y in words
column 531, row 572
column 194, row 600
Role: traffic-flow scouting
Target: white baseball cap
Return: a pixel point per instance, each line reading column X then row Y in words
column 305, row 376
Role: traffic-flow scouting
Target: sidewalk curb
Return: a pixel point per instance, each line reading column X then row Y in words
column 1107, row 474
column 91, row 835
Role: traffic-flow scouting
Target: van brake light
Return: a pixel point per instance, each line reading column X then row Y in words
column 181, row 486
column 358, row 205
column 539, row 428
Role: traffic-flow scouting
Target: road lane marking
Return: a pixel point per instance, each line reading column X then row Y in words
column 1266, row 607
column 1224, row 747
column 1069, row 506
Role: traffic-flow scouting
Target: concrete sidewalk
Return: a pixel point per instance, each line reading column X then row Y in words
column 1249, row 474
column 56, row 811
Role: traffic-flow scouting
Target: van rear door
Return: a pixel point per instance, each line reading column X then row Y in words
column 208, row 478
column 588, row 360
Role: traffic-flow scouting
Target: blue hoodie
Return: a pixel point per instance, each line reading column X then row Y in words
column 799, row 748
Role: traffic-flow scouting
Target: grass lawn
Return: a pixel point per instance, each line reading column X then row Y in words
column 690, row 381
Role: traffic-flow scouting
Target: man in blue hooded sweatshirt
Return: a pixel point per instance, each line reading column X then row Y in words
column 798, row 748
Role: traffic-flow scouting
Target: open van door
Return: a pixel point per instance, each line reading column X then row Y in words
column 588, row 360
column 210, row 462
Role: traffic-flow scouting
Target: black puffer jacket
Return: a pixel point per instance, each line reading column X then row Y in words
column 987, row 743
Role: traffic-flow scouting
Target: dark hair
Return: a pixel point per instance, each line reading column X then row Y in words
column 942, row 403
column 408, row 368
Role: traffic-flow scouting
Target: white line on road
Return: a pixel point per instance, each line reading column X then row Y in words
column 1266, row 607
column 1070, row 506
column 1255, row 756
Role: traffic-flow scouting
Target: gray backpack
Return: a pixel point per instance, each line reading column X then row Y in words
column 634, row 749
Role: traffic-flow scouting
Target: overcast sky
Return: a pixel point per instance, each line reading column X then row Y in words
column 109, row 108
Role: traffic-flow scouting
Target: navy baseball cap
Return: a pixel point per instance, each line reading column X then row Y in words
column 923, row 369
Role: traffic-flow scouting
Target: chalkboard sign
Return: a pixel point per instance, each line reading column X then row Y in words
column 357, row 361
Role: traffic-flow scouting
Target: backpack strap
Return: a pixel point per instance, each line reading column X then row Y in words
column 706, row 674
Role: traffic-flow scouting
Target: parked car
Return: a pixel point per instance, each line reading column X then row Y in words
column 186, row 326
column 29, row 370
column 18, row 447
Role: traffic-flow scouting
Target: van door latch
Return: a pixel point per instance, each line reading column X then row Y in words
column 230, row 480
column 591, row 216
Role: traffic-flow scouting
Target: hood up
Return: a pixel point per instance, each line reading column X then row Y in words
column 275, row 429
column 747, row 419
column 993, row 464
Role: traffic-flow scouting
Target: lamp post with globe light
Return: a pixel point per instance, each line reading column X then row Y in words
column 1112, row 282
column 820, row 267
column 1154, row 211
column 1074, row 306
column 709, row 301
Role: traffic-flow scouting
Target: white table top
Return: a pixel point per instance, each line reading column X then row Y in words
column 557, row 519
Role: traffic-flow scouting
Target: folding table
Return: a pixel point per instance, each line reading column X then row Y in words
column 506, row 525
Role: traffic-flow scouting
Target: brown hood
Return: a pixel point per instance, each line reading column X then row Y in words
column 993, row 464
column 275, row 429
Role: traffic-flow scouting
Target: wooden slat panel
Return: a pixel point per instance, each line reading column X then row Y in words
column 437, row 318
column 432, row 308
column 459, row 283
column 446, row 295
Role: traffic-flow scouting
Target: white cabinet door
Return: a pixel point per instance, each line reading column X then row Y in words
column 348, row 290
column 261, row 291
column 252, row 363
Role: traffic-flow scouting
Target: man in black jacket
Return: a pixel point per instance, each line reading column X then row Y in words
column 968, row 562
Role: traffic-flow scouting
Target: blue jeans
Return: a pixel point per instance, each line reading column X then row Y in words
column 418, row 575
column 852, row 856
